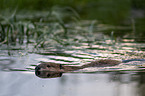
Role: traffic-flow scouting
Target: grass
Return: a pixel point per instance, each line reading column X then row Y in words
column 36, row 28
column 58, row 27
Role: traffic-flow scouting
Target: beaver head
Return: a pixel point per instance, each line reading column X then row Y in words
column 49, row 67
column 49, row 70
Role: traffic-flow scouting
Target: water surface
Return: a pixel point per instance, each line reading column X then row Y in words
column 126, row 79
column 46, row 37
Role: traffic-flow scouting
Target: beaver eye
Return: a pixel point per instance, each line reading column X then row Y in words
column 48, row 66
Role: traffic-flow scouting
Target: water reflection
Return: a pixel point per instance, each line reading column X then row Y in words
column 129, row 83
column 141, row 83
column 46, row 74
column 5, row 63
column 74, row 84
column 110, row 84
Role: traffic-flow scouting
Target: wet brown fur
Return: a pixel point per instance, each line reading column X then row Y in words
column 53, row 67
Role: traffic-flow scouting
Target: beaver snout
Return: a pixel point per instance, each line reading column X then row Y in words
column 37, row 71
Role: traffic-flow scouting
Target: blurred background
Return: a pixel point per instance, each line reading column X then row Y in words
column 113, row 12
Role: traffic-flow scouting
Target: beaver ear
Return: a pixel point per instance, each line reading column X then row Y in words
column 48, row 66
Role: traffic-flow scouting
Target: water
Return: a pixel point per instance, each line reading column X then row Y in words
column 73, row 84
column 126, row 79
column 75, row 43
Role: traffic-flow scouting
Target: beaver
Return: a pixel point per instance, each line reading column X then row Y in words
column 47, row 69
column 52, row 70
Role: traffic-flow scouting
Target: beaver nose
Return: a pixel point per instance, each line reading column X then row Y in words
column 37, row 68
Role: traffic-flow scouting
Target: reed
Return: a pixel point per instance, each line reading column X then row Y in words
column 39, row 30
column 57, row 27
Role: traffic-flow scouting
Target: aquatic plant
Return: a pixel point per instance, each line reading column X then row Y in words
column 60, row 27
column 53, row 26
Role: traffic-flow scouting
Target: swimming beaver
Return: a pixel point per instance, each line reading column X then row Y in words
column 51, row 70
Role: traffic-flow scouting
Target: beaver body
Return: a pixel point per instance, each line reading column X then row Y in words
column 53, row 70
column 53, row 67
